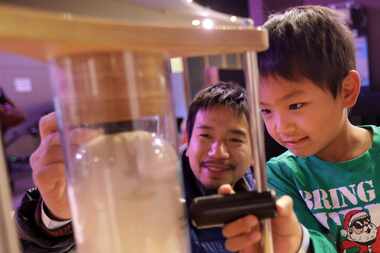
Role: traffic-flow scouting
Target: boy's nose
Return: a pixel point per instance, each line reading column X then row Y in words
column 219, row 150
column 284, row 125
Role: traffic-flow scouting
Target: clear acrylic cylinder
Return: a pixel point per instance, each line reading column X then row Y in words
column 123, row 173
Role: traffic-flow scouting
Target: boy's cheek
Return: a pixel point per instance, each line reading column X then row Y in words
column 269, row 128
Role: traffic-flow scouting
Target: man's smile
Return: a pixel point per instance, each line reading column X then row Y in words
column 216, row 166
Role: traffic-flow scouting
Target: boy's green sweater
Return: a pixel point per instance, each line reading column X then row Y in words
column 338, row 202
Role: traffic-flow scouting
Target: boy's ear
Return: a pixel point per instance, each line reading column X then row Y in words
column 350, row 88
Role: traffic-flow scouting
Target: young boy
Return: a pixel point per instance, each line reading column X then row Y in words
column 308, row 83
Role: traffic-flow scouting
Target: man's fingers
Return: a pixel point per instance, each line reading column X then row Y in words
column 53, row 155
column 241, row 226
column 79, row 136
column 49, row 173
column 48, row 125
column 50, row 146
column 225, row 189
column 53, row 139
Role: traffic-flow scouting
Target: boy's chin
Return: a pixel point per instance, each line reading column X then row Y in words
column 301, row 153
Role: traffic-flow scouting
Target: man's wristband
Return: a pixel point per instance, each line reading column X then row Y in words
column 51, row 223
column 63, row 230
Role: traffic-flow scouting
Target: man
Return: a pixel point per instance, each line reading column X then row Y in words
column 218, row 153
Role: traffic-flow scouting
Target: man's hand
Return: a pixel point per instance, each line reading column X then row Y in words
column 244, row 235
column 47, row 163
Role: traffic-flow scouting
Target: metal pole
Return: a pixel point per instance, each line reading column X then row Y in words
column 257, row 139
column 8, row 238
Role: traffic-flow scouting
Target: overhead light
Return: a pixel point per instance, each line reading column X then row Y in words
column 233, row 18
column 196, row 22
column 189, row 1
column 208, row 23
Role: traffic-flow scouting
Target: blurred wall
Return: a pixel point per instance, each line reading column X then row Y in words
column 260, row 9
column 26, row 82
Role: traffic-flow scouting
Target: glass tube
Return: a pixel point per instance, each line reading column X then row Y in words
column 115, row 116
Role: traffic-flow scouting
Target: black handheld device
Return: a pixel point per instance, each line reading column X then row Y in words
column 217, row 210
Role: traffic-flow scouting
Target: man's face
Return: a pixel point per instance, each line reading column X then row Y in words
column 302, row 117
column 219, row 150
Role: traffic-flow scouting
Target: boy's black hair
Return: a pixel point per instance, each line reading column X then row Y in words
column 308, row 42
column 230, row 95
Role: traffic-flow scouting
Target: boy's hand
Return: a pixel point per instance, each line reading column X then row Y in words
column 287, row 231
column 244, row 235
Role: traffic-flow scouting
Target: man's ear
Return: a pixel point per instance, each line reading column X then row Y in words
column 350, row 88
column 185, row 138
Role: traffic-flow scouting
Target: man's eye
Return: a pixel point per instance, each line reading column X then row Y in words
column 207, row 136
column 296, row 106
column 265, row 111
column 236, row 140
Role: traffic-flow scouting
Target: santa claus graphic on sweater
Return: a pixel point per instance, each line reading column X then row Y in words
column 361, row 234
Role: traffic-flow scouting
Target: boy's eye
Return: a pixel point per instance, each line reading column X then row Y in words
column 296, row 106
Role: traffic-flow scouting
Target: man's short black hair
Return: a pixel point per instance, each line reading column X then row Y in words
column 230, row 95
column 308, row 42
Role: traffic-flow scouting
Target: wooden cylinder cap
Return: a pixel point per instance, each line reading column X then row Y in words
column 105, row 87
